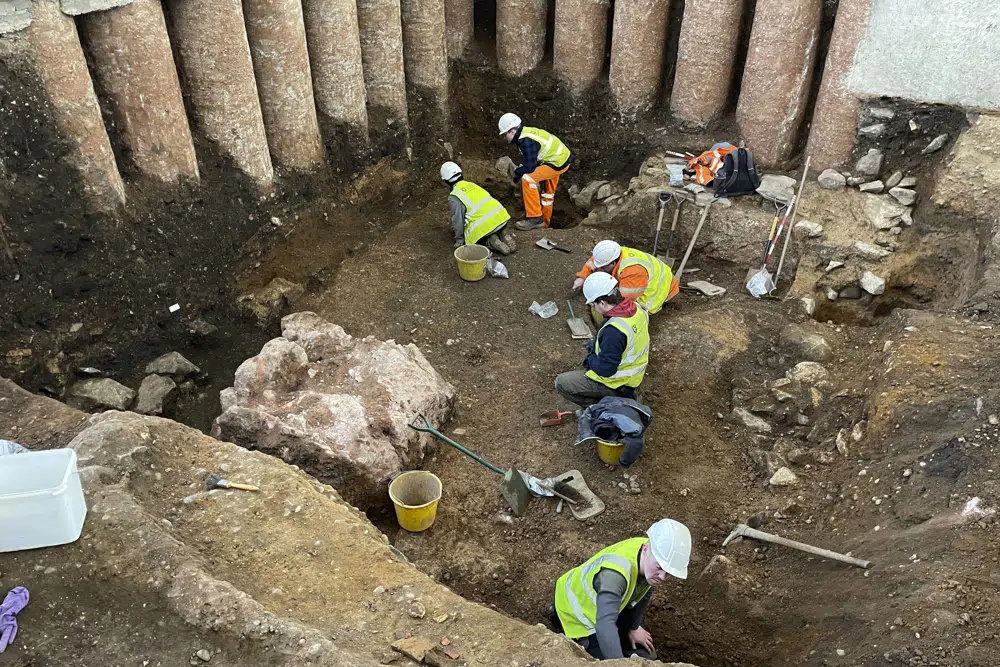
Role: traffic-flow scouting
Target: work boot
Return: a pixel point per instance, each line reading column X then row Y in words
column 528, row 224
column 508, row 238
column 494, row 243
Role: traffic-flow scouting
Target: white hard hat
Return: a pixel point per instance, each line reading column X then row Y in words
column 670, row 542
column 508, row 122
column 449, row 170
column 598, row 284
column 605, row 252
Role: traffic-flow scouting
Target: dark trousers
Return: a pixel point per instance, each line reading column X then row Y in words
column 590, row 644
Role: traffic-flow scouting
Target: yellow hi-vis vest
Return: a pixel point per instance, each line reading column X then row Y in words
column 576, row 597
column 483, row 213
column 632, row 367
column 660, row 278
column 553, row 151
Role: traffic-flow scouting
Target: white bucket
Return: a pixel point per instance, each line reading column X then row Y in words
column 41, row 500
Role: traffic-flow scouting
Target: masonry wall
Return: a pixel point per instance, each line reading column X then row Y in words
column 943, row 51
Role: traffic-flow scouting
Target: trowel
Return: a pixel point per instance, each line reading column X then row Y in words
column 548, row 244
column 578, row 328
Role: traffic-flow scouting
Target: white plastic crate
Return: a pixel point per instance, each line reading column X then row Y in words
column 41, row 500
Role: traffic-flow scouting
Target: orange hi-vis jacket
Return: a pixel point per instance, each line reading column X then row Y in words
column 633, row 279
column 707, row 164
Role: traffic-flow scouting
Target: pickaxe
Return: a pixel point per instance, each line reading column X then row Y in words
column 743, row 530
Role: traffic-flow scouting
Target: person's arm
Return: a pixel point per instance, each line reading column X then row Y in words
column 529, row 157
column 457, row 218
column 611, row 587
column 633, row 615
column 587, row 269
column 612, row 347
column 632, row 282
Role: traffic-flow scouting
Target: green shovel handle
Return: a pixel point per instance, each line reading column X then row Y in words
column 427, row 428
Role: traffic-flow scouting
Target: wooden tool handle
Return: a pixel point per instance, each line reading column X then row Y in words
column 808, row 548
column 242, row 487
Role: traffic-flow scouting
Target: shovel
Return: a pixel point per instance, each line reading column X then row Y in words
column 547, row 244
column 514, row 488
column 578, row 328
column 760, row 282
column 678, row 202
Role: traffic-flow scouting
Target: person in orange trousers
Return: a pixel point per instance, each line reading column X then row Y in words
column 544, row 158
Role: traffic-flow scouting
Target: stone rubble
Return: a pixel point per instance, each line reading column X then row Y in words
column 173, row 364
column 831, row 179
column 871, row 163
column 894, row 179
column 156, row 395
column 872, row 186
column 100, row 394
column 872, row 283
column 904, row 196
column 936, row 145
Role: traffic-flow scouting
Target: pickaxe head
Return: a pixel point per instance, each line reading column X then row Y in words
column 739, row 531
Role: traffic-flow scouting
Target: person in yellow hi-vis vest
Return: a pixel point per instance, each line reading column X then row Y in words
column 641, row 277
column 544, row 158
column 601, row 603
column 476, row 217
column 619, row 352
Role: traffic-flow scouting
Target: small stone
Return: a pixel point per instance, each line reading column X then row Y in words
column 831, row 294
column 808, row 373
column 908, row 182
column 855, row 181
column 936, row 145
column 872, row 186
column 831, row 179
column 883, row 212
column 811, row 230
column 832, row 266
column 805, row 343
column 907, row 473
column 776, row 187
column 842, row 442
column 414, row 648
column 841, row 652
column 871, row 163
column 76, row 326
column 416, row 610
column 783, row 477
column 276, row 221
column 505, row 166
column 850, row 292
column 872, row 131
column 907, row 218
column 882, row 113
column 750, row 420
column 605, row 191
column 904, row 196
column 49, row 570
column 460, row 431
column 858, row 431
column 100, row 394
column 204, row 655
column 872, row 283
column 809, row 305
column 914, row 125
column 157, row 394
column 869, row 251
column 994, row 420
column 173, row 364
column 894, row 180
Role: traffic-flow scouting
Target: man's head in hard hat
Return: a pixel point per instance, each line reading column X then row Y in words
column 601, row 292
column 451, row 173
column 509, row 125
column 667, row 552
column 604, row 260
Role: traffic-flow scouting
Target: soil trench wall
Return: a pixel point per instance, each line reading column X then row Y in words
column 580, row 39
column 335, row 55
column 214, row 55
column 63, row 70
column 638, row 41
column 135, row 67
column 277, row 38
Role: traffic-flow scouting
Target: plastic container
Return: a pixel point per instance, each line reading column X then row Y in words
column 41, row 500
column 415, row 495
column 609, row 452
column 472, row 262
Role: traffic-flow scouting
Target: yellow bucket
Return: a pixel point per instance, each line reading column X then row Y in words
column 472, row 261
column 609, row 452
column 415, row 495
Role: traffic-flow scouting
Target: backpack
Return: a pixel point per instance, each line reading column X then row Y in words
column 737, row 175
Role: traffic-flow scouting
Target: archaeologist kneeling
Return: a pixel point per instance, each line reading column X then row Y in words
column 619, row 352
column 476, row 217
column 641, row 277
column 601, row 603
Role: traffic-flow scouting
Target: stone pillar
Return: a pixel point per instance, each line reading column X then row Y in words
column 335, row 55
column 135, row 67
column 835, row 119
column 214, row 57
column 777, row 75
column 277, row 36
column 459, row 26
column 63, row 71
column 579, row 40
column 520, row 35
column 710, row 35
column 638, row 41
column 382, row 57
column 424, row 49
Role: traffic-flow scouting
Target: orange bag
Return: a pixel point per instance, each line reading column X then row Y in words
column 706, row 164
